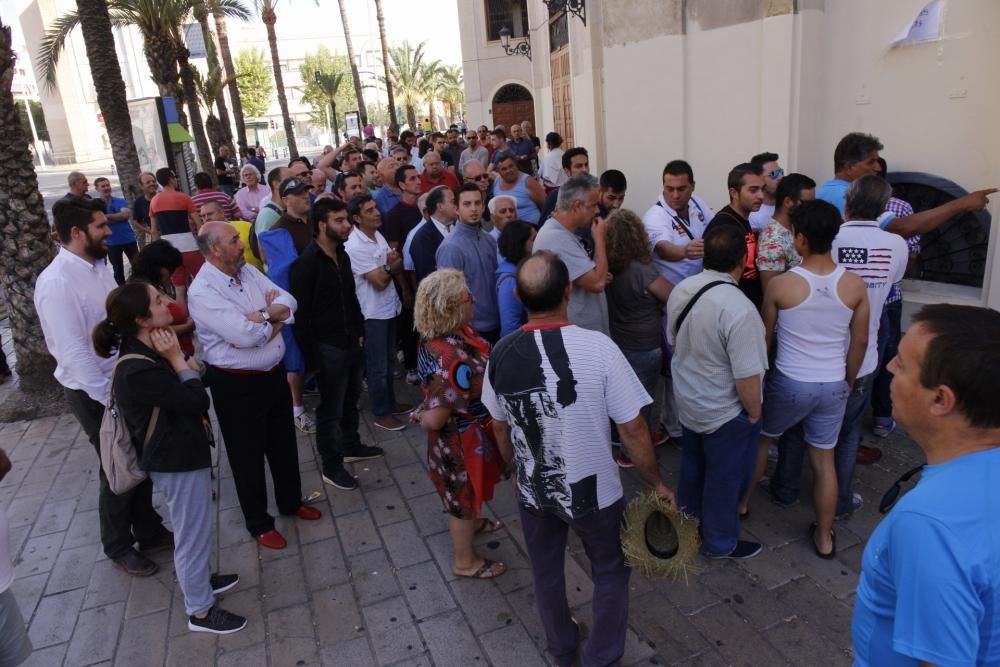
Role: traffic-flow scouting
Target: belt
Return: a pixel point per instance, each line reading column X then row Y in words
column 245, row 371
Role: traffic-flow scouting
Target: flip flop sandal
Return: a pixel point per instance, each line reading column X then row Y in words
column 486, row 571
column 833, row 537
column 486, row 527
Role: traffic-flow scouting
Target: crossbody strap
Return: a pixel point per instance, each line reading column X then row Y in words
column 679, row 220
column 111, row 399
column 694, row 300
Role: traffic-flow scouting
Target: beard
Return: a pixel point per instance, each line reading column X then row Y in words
column 96, row 248
column 333, row 235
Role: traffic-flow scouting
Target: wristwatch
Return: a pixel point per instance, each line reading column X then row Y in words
column 266, row 315
column 385, row 267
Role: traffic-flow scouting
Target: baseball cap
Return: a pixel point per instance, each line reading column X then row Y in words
column 293, row 185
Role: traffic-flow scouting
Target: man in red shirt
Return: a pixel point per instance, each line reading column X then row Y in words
column 175, row 219
column 206, row 192
column 435, row 174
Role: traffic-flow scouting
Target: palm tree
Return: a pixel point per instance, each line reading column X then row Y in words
column 411, row 77
column 329, row 83
column 194, row 109
column 451, row 90
column 227, row 62
column 27, row 246
column 362, row 110
column 266, row 10
column 385, row 64
column 212, row 56
column 210, row 87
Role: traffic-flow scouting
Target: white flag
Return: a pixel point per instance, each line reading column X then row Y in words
column 926, row 27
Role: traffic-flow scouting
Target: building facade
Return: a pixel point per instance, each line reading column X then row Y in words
column 640, row 82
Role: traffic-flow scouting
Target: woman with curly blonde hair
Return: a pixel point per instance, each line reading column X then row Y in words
column 635, row 304
column 462, row 456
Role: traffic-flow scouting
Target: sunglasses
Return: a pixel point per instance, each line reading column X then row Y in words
column 480, row 177
column 777, row 173
column 892, row 495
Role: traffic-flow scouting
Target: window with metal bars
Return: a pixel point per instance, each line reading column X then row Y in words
column 512, row 14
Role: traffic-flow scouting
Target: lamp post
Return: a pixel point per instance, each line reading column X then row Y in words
column 522, row 48
column 576, row 7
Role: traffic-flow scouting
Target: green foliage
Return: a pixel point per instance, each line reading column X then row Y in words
column 335, row 77
column 36, row 115
column 413, row 77
column 255, row 82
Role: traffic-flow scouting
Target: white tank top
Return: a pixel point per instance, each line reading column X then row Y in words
column 813, row 336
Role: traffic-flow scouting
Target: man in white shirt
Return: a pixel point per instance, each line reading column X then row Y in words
column 375, row 264
column 773, row 173
column 15, row 646
column 879, row 258
column 70, row 299
column 239, row 315
column 675, row 225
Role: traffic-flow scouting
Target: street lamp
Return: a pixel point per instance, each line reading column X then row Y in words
column 576, row 7
column 522, row 48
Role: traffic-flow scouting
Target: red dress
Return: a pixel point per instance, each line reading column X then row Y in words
column 463, row 460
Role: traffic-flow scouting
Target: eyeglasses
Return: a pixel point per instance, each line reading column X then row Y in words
column 480, row 177
column 892, row 495
column 777, row 173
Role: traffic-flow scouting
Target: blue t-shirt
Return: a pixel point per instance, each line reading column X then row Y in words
column 833, row 191
column 930, row 579
column 121, row 231
column 386, row 200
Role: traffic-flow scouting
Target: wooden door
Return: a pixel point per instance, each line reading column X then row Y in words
column 562, row 97
column 508, row 113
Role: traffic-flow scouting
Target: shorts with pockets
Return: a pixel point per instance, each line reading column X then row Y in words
column 819, row 406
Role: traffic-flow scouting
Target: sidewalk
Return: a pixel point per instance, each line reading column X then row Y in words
column 371, row 583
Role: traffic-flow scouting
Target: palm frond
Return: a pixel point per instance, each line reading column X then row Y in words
column 53, row 43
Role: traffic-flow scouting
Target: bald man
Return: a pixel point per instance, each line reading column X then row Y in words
column 551, row 388
column 78, row 185
column 239, row 333
column 387, row 196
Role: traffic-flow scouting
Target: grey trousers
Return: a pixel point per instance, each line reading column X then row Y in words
column 189, row 497
column 15, row 647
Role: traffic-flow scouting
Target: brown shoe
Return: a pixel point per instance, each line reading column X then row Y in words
column 402, row 409
column 136, row 564
column 390, row 423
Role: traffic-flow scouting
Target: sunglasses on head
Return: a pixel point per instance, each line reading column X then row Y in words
column 776, row 174
column 892, row 495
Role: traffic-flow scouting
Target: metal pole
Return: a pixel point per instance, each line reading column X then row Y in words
column 39, row 148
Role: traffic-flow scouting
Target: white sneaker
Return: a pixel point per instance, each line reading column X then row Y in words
column 305, row 423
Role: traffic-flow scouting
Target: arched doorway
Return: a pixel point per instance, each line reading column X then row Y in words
column 513, row 104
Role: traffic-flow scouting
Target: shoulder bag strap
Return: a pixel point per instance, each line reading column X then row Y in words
column 111, row 397
column 679, row 220
column 694, row 300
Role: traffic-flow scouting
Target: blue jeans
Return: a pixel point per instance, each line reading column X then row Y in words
column 647, row 365
column 792, row 449
column 715, row 473
column 890, row 330
column 380, row 355
column 600, row 531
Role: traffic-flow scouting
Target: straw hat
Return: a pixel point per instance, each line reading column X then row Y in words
column 659, row 541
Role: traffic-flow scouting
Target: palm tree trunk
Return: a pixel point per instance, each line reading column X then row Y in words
column 385, row 63
column 270, row 18
column 26, row 247
column 333, row 118
column 362, row 111
column 194, row 108
column 201, row 14
column 411, row 117
column 227, row 62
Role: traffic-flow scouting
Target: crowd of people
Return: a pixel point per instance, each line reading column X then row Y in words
column 542, row 320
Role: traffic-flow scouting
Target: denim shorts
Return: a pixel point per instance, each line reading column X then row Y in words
column 819, row 406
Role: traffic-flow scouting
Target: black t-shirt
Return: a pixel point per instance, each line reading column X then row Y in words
column 750, row 282
column 401, row 219
column 220, row 163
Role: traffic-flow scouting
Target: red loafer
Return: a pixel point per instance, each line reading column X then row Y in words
column 272, row 539
column 868, row 455
column 308, row 513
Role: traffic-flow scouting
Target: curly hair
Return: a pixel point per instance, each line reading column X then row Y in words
column 626, row 241
column 438, row 308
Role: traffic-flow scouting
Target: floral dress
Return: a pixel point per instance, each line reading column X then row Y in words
column 462, row 458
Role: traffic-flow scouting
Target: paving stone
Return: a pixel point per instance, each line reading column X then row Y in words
column 801, row 644
column 232, row 528
column 72, row 569
column 579, row 587
column 192, row 649
column 338, row 620
column 55, row 618
column 404, row 544
column 148, row 594
column 227, row 494
column 373, row 577
column 38, row 555
column 241, row 559
column 107, row 584
column 345, row 502
column 68, row 486
column 27, row 592
column 249, row 656
column 429, row 514
column 826, row 614
column 511, row 647
column 451, row 641
column 84, row 529
column 413, row 480
column 353, row 652
column 22, row 512
column 425, row 590
column 292, row 622
column 523, row 603
column 747, row 597
column 372, row 474
column 483, row 603
column 637, row 649
column 398, row 453
column 246, row 603
column 357, row 533
column 46, row 657
column 283, row 583
column 95, row 635
column 706, row 659
column 393, row 635
column 314, row 531
column 387, row 505
column 324, row 564
column 289, row 528
column 143, row 641
column 733, row 637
